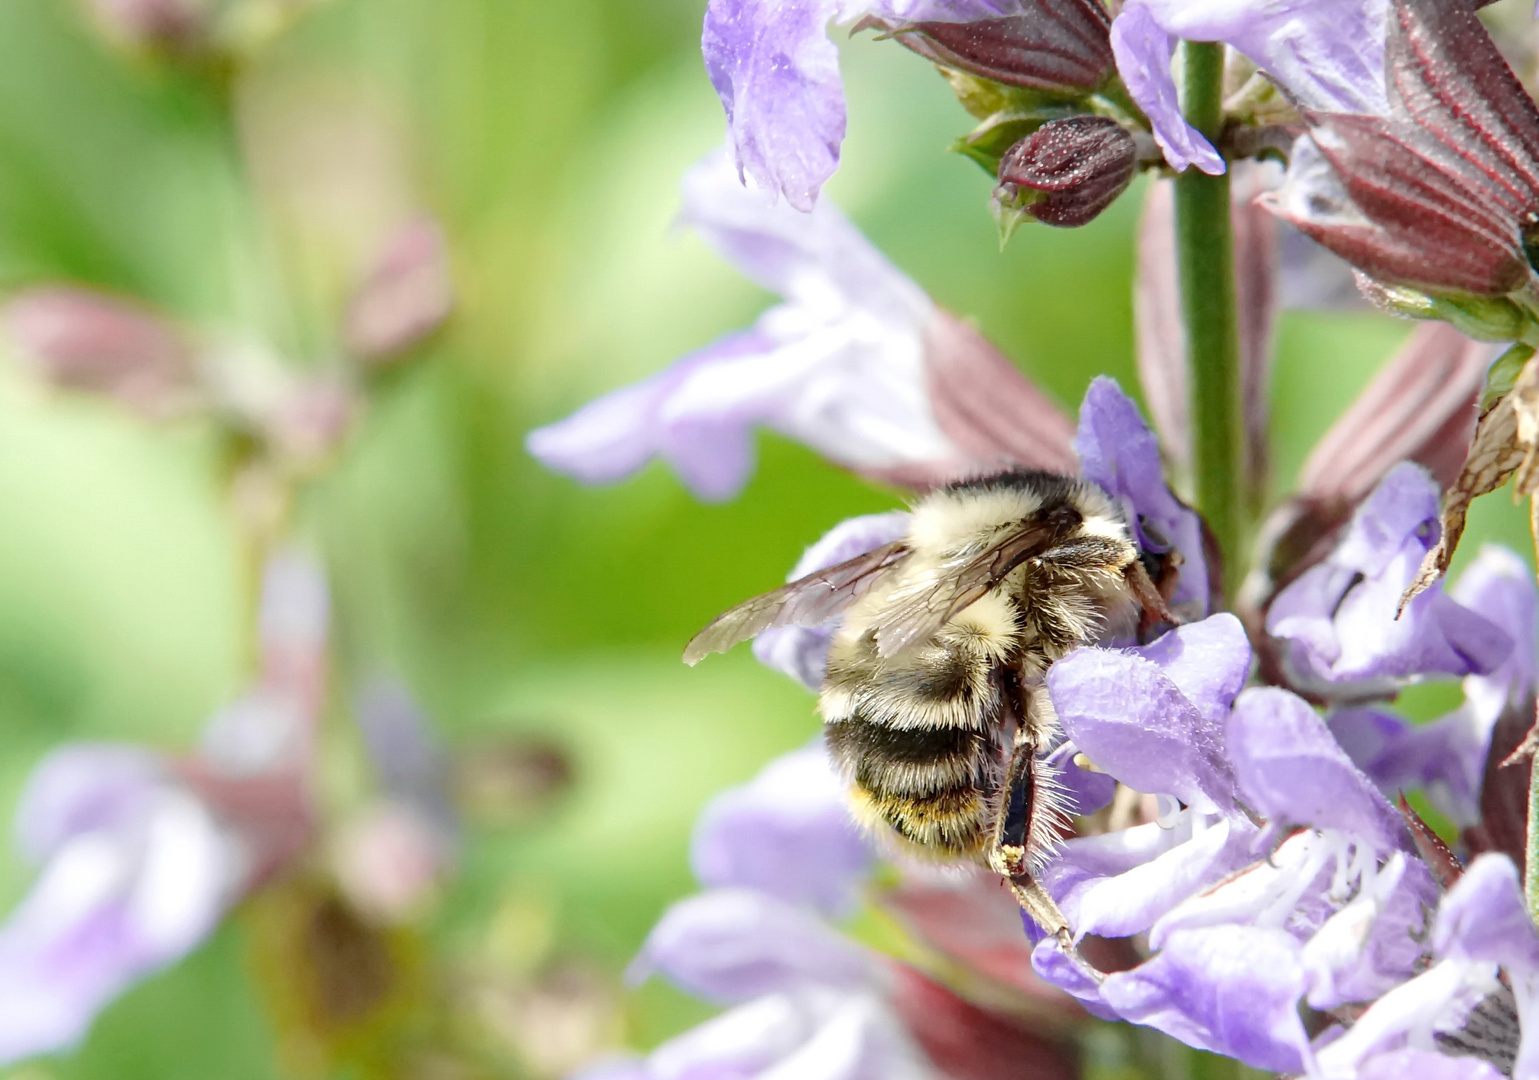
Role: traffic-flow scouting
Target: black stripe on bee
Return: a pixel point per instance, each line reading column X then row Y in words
column 858, row 739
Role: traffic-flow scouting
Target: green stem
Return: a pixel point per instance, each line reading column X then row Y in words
column 1205, row 253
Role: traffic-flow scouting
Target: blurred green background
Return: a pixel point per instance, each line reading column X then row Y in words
column 548, row 138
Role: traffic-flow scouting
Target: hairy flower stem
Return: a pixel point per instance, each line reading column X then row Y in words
column 1205, row 254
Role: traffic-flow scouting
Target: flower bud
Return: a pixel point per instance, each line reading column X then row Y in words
column 1055, row 45
column 90, row 341
column 1439, row 195
column 405, row 297
column 153, row 24
column 1064, row 173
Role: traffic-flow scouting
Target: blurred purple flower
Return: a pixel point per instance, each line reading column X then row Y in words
column 1326, row 54
column 140, row 854
column 808, row 1032
column 777, row 74
column 808, row 1001
column 1339, row 618
column 787, row 833
column 391, row 855
column 732, row 944
column 1118, row 451
column 135, row 871
column 838, row 366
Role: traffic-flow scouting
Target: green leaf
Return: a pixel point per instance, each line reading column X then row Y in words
column 1504, row 373
column 989, row 141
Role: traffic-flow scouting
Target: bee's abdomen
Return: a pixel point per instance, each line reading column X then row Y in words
column 952, row 822
column 925, row 783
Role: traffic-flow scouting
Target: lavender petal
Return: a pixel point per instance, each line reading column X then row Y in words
column 733, row 944
column 787, row 833
column 1122, row 883
column 777, row 74
column 1291, row 771
column 1328, row 54
column 1118, row 451
column 1153, row 717
column 1484, row 918
column 1144, row 52
column 116, row 901
column 1233, row 990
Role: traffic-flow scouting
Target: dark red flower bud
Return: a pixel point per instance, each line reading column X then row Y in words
column 1443, row 193
column 1067, row 171
column 1054, row 45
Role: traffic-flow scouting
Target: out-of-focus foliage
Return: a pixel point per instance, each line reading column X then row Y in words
column 548, row 138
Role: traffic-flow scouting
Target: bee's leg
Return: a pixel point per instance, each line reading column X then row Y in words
column 1150, row 600
column 1008, row 850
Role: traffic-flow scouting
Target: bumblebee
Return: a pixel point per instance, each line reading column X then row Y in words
column 935, row 703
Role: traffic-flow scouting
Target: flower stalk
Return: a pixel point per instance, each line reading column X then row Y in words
column 1205, row 256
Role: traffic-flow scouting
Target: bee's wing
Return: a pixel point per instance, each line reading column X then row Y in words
column 930, row 605
column 807, row 601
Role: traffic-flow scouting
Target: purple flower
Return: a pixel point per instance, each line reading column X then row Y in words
column 839, row 366
column 1325, row 906
column 135, row 871
column 787, row 833
column 1447, row 757
column 1118, row 451
column 1327, row 54
column 1339, row 618
column 1481, row 928
column 1154, row 716
column 777, row 74
column 812, row 1032
column 1329, row 917
column 391, row 854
